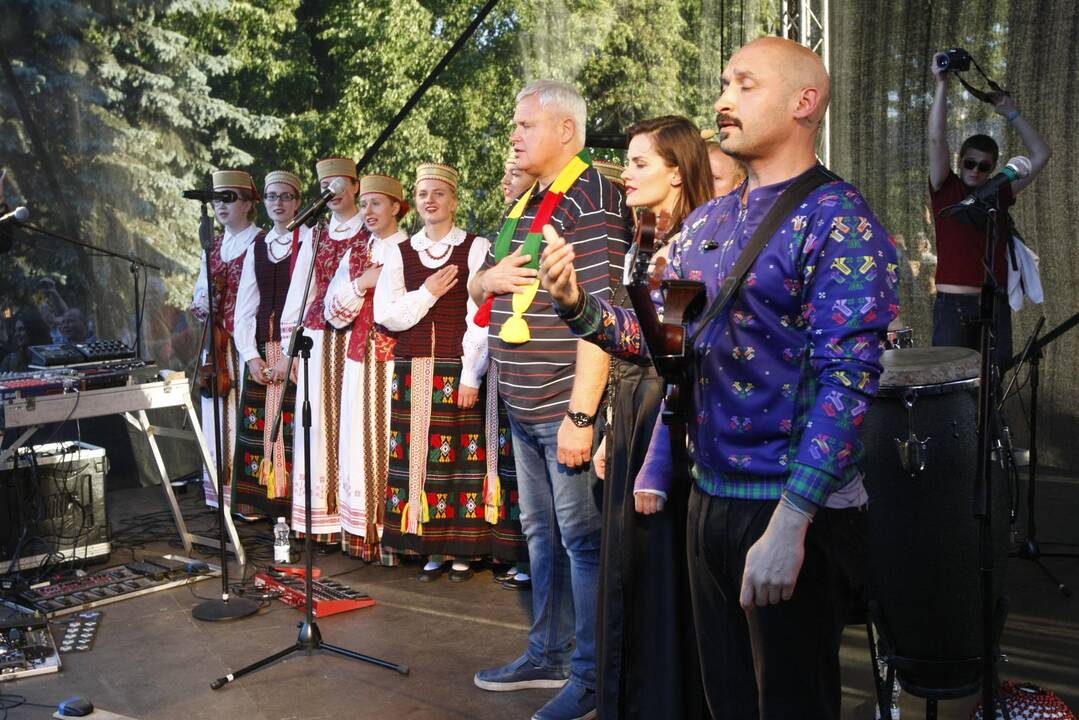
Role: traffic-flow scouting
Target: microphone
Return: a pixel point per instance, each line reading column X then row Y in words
column 1017, row 167
column 208, row 196
column 19, row 214
column 336, row 187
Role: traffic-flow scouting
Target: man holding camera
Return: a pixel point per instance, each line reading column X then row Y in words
column 961, row 238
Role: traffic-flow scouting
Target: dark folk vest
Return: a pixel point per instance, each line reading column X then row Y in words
column 439, row 333
column 272, row 280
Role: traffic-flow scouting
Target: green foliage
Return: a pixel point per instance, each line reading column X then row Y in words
column 124, row 103
column 141, row 99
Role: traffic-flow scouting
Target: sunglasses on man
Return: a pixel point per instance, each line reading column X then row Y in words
column 983, row 166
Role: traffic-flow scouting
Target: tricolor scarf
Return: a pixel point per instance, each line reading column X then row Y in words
column 515, row 329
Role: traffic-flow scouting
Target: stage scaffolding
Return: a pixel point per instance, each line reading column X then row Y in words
column 806, row 21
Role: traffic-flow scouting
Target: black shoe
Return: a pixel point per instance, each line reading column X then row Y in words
column 461, row 575
column 327, row 548
column 430, row 575
column 514, row 584
column 504, row 575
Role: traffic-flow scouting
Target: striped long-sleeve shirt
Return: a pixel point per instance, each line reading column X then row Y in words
column 536, row 377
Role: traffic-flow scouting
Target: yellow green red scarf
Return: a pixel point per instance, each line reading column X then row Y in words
column 515, row 329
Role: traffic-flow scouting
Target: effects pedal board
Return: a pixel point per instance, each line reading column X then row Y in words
column 330, row 597
column 114, row 584
column 26, row 643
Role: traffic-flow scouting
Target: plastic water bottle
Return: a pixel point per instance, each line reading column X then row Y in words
column 281, row 548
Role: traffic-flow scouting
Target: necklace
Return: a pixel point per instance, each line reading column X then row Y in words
column 437, row 257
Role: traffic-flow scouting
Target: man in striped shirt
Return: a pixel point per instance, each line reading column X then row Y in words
column 552, row 385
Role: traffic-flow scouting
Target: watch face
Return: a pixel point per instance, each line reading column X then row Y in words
column 631, row 264
column 580, row 419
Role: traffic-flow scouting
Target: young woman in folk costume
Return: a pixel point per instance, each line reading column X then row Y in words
column 508, row 542
column 226, row 264
column 335, row 236
column 435, row 495
column 365, row 411
column 261, row 471
column 644, row 640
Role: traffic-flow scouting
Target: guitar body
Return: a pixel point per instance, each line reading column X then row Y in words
column 666, row 338
column 215, row 365
column 684, row 301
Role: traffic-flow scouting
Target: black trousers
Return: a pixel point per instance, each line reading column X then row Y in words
column 777, row 662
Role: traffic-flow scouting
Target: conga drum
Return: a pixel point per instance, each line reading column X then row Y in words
column 921, row 444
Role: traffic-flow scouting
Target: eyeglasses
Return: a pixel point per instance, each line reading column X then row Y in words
column 283, row 197
column 983, row 167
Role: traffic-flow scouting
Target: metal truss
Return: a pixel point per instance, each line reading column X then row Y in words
column 806, row 22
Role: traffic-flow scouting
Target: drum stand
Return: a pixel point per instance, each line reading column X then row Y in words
column 1030, row 548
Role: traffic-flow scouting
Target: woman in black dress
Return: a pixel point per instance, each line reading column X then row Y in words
column 646, row 647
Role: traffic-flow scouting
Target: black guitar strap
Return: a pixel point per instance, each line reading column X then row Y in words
column 784, row 205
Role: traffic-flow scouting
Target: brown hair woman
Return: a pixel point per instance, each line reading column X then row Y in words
column 646, row 655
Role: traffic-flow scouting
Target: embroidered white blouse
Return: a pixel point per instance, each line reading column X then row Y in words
column 397, row 309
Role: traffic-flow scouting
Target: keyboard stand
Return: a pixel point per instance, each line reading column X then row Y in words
column 131, row 401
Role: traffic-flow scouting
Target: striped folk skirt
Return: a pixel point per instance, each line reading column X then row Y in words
column 449, row 466
column 250, row 495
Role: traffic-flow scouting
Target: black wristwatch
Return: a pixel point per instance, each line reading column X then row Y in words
column 580, row 419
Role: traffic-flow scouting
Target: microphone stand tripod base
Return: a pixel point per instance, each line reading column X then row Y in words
column 222, row 610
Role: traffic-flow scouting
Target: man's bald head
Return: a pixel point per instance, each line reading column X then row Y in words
column 775, row 93
column 798, row 67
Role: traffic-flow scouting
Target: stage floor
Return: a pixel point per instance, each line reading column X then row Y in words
column 152, row 661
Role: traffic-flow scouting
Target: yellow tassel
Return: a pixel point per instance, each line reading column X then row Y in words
column 404, row 519
column 493, row 500
column 515, row 331
column 269, row 478
column 265, row 471
column 425, row 510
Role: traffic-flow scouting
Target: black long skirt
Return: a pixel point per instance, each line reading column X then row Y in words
column 647, row 653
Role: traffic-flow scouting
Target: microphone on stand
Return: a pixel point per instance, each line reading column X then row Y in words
column 19, row 214
column 209, row 196
column 1018, row 167
column 336, row 187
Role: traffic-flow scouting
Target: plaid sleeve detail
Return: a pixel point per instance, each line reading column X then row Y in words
column 615, row 330
column 810, row 483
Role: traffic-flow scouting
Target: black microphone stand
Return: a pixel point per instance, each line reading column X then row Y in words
column 1030, row 548
column 227, row 607
column 309, row 640
column 983, row 481
column 136, row 263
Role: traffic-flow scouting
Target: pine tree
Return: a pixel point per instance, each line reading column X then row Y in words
column 130, row 121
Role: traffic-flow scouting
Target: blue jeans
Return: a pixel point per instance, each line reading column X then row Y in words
column 561, row 521
column 955, row 323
